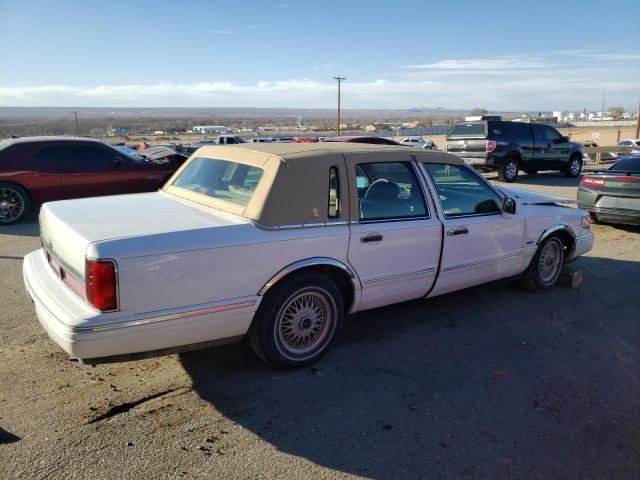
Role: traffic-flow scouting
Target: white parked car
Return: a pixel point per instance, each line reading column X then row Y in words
column 278, row 242
column 418, row 143
column 631, row 143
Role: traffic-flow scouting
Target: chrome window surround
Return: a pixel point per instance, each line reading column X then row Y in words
column 468, row 215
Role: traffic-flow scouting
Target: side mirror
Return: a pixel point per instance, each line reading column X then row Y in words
column 509, row 205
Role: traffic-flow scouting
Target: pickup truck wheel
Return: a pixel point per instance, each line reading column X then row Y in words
column 297, row 321
column 574, row 168
column 508, row 172
column 14, row 203
column 544, row 270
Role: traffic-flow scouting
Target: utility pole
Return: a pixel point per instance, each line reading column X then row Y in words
column 638, row 122
column 604, row 93
column 340, row 80
column 77, row 128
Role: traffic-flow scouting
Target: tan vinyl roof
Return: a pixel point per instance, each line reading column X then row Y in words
column 294, row 187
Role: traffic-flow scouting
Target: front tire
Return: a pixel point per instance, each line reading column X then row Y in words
column 574, row 168
column 508, row 172
column 297, row 321
column 544, row 270
column 14, row 203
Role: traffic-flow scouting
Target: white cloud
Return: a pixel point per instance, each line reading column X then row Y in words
column 223, row 32
column 516, row 82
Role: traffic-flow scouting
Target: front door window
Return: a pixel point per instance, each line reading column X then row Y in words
column 462, row 192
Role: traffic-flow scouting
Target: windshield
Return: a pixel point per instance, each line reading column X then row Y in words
column 220, row 179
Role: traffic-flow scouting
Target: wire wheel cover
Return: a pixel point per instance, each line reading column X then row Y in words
column 304, row 322
column 550, row 261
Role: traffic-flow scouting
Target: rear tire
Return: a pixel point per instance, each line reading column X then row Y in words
column 14, row 203
column 544, row 270
column 508, row 172
column 297, row 322
column 574, row 168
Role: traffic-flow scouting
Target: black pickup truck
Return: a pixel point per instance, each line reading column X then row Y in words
column 512, row 146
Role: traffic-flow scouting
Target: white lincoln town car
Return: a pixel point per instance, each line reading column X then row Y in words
column 277, row 242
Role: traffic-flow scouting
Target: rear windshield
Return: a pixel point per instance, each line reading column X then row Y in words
column 220, row 179
column 468, row 129
column 629, row 163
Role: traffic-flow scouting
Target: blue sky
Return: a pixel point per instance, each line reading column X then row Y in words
column 503, row 55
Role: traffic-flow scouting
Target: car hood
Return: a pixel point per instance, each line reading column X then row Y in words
column 526, row 197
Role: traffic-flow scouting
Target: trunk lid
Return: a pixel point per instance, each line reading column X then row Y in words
column 69, row 227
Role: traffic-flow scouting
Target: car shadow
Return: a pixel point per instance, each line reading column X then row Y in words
column 27, row 228
column 480, row 383
column 7, row 437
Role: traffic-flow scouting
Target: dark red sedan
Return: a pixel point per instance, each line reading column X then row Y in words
column 34, row 170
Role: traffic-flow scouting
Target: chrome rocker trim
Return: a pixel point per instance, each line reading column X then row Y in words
column 168, row 317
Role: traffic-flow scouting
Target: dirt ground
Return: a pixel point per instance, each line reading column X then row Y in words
column 490, row 382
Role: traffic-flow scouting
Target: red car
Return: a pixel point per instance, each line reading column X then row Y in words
column 34, row 170
column 363, row 139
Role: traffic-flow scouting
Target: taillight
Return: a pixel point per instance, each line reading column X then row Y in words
column 101, row 284
column 491, row 145
column 592, row 182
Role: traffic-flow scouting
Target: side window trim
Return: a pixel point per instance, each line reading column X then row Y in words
column 420, row 180
column 467, row 215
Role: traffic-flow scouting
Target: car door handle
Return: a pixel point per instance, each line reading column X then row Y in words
column 458, row 231
column 375, row 237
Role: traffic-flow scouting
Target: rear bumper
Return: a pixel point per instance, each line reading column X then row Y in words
column 591, row 200
column 85, row 333
column 614, row 215
column 476, row 158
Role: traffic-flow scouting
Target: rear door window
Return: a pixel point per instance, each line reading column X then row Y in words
column 496, row 129
column 551, row 134
column 87, row 158
column 48, row 154
column 392, row 191
column 538, row 134
column 518, row 132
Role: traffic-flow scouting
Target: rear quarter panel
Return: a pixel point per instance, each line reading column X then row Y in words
column 211, row 266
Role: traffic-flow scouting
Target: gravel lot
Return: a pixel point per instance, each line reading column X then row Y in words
column 491, row 382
